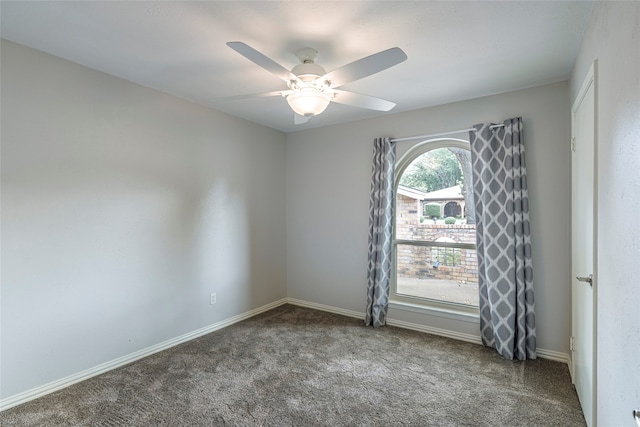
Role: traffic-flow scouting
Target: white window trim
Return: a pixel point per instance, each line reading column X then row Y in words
column 425, row 305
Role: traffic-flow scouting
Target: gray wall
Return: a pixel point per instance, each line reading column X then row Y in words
column 328, row 182
column 122, row 210
column 613, row 39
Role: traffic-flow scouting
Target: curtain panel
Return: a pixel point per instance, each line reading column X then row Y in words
column 380, row 231
column 505, row 271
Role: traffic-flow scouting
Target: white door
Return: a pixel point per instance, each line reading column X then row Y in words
column 583, row 207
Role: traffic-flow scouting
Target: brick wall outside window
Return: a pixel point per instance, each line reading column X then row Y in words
column 420, row 262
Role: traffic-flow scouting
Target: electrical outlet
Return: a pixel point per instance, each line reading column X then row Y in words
column 212, row 299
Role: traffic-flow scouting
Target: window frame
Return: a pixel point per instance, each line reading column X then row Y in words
column 410, row 303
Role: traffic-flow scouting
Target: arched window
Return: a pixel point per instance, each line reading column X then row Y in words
column 434, row 227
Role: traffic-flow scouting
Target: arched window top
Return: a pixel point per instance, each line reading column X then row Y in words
column 422, row 147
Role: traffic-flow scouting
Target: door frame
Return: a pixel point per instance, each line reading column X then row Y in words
column 589, row 81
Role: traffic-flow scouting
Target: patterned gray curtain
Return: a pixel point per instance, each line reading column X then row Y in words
column 380, row 231
column 505, row 272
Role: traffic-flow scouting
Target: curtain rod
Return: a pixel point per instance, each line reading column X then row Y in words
column 433, row 135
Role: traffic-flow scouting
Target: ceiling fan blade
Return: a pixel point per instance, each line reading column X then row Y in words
column 258, row 58
column 365, row 67
column 300, row 120
column 361, row 101
column 253, row 95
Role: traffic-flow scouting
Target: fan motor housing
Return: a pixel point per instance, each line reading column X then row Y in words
column 308, row 72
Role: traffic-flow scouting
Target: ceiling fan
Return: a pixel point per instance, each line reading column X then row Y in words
column 311, row 88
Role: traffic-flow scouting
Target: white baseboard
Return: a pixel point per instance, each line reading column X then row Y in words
column 390, row 322
column 542, row 353
column 327, row 308
column 554, row 355
column 53, row 386
column 435, row 331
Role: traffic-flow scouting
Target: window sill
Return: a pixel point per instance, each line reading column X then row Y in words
column 463, row 314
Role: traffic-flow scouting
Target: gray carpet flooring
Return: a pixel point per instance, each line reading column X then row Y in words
column 294, row 366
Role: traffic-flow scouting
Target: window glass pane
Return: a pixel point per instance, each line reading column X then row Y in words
column 434, row 203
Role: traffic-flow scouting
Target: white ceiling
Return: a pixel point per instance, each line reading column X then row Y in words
column 456, row 50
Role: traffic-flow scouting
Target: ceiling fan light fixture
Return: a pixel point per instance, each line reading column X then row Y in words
column 311, row 88
column 309, row 101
